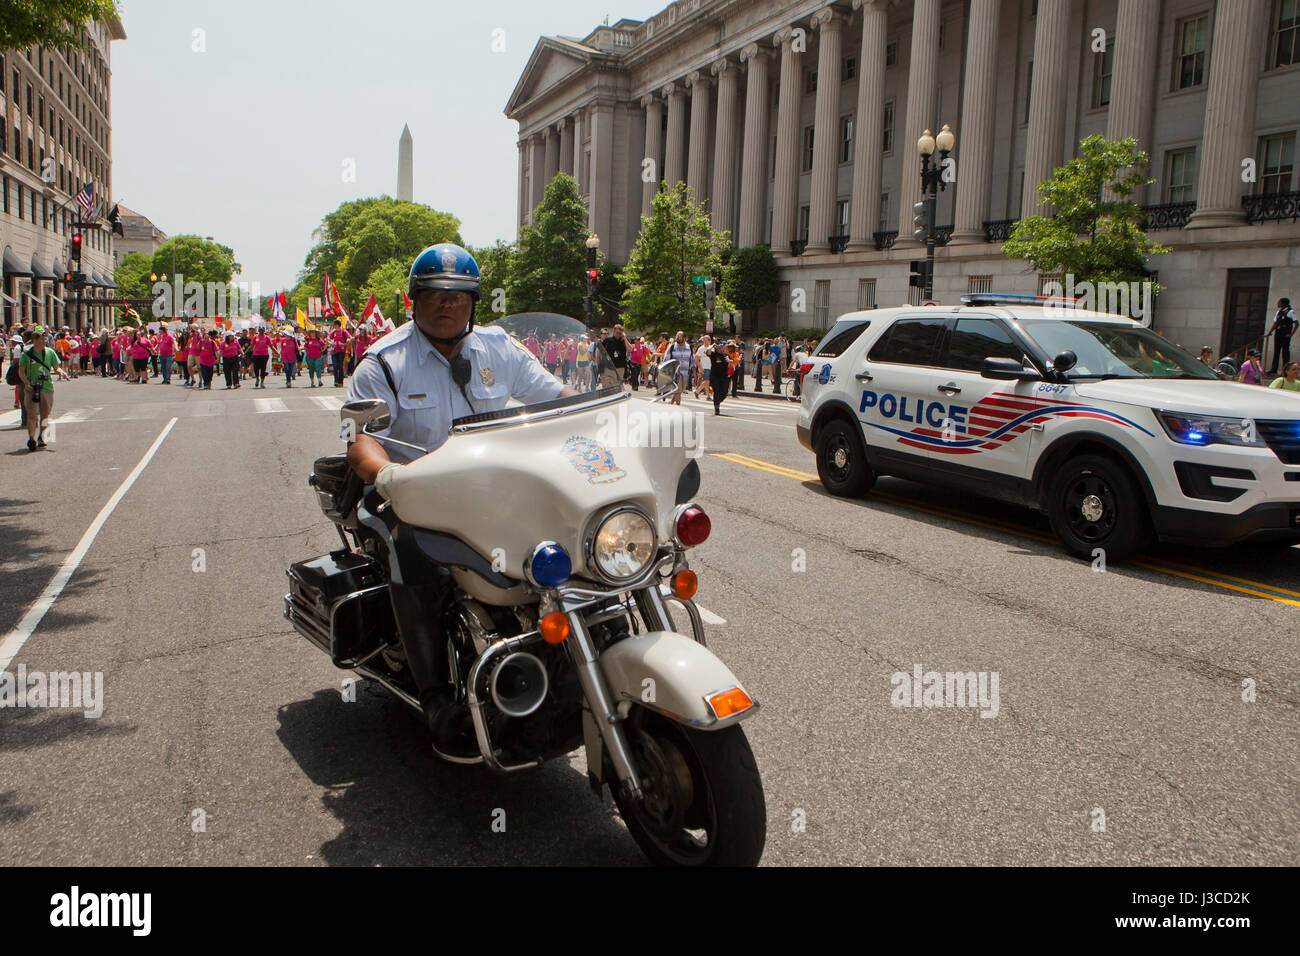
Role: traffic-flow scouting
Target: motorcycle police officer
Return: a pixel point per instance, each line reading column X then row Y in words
column 439, row 367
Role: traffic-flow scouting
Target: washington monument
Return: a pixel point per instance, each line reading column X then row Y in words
column 404, row 163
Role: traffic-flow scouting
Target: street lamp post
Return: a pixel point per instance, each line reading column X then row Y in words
column 593, row 243
column 932, row 180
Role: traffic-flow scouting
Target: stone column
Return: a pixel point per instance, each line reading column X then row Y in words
column 538, row 170
column 565, row 126
column 1133, row 86
column 676, row 146
column 753, row 152
column 654, row 147
column 1045, row 142
column 785, row 199
column 979, row 101
column 723, row 204
column 1236, row 56
column 826, row 139
column 697, row 148
column 869, row 136
column 577, row 151
column 922, row 95
column 552, row 141
column 600, row 208
column 524, row 191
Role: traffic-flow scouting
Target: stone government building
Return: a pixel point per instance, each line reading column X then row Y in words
column 798, row 122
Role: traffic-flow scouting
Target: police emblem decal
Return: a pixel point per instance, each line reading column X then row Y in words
column 589, row 457
column 486, row 376
column 448, row 261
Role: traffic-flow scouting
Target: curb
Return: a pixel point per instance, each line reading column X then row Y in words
column 744, row 393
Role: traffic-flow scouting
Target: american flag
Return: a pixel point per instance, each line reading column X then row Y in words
column 86, row 198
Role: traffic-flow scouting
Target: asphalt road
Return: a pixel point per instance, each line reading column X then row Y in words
column 1120, row 692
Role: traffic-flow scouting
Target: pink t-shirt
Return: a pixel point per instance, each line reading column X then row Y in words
column 207, row 350
column 314, row 348
column 230, row 348
column 552, row 353
column 338, row 340
column 261, row 345
column 362, row 343
column 288, row 350
column 140, row 350
column 166, row 344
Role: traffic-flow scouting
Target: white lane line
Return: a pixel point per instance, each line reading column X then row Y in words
column 266, row 405
column 77, row 415
column 707, row 616
column 328, row 403
column 13, row 641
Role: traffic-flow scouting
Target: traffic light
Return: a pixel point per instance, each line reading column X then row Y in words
column 591, row 275
column 921, row 220
column 74, row 251
column 919, row 269
column 710, row 294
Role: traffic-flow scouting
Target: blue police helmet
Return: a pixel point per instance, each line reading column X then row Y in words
column 445, row 266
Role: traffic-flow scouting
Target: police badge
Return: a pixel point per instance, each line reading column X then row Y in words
column 486, row 376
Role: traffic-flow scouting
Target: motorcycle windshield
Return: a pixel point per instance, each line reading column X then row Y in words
column 569, row 350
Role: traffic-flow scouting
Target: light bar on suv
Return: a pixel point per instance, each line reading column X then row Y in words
column 1008, row 298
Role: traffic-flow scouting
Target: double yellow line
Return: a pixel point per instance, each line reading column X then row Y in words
column 1188, row 572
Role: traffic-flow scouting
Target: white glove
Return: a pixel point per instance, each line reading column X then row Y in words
column 384, row 480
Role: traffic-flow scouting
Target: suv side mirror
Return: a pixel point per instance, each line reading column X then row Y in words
column 667, row 376
column 367, row 414
column 1007, row 369
column 1065, row 361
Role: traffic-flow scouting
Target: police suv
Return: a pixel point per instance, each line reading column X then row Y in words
column 1112, row 431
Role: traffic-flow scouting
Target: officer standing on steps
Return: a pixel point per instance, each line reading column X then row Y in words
column 431, row 370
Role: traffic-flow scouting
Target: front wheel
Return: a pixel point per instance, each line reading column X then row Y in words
column 702, row 800
column 1095, row 508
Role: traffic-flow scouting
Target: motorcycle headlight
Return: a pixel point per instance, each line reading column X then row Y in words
column 622, row 546
column 1188, row 429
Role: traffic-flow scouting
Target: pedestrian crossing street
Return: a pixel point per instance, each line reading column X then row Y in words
column 757, row 410
column 194, row 408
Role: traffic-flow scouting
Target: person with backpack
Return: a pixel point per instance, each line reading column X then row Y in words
column 36, row 368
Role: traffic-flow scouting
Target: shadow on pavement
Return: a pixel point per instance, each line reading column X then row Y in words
column 11, row 812
column 24, row 729
column 400, row 805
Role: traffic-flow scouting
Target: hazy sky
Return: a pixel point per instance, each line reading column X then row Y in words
column 246, row 141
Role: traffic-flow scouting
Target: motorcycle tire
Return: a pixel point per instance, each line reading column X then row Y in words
column 694, row 782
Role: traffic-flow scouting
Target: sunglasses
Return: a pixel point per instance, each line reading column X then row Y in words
column 446, row 298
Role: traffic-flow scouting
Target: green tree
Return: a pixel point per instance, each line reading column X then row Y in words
column 194, row 259
column 132, row 276
column 549, row 270
column 751, row 279
column 49, row 23
column 676, row 243
column 1095, row 232
column 494, row 265
column 361, row 235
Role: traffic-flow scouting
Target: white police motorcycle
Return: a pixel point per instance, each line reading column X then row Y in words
column 538, row 550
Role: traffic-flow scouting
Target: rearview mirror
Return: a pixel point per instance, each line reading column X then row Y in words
column 1007, row 369
column 367, row 414
column 667, row 376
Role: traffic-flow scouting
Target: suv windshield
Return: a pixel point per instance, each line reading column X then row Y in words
column 1112, row 350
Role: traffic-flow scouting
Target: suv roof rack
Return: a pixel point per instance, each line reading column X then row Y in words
column 1008, row 298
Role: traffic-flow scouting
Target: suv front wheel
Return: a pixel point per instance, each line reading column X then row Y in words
column 842, row 460
column 1095, row 505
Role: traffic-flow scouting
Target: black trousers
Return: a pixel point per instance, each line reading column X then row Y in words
column 230, row 365
column 1281, row 353
column 259, row 366
column 718, row 380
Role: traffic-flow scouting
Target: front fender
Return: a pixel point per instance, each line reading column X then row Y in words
column 683, row 676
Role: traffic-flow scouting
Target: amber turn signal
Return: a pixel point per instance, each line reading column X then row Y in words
column 555, row 627
column 730, row 702
column 685, row 584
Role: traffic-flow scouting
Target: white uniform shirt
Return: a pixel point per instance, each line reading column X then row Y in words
column 428, row 399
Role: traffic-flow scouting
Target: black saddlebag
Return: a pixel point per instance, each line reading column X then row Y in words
column 340, row 603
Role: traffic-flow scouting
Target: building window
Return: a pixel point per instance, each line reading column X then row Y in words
column 979, row 284
column 846, row 139
column 1029, row 87
column 891, row 53
column 807, row 149
column 866, row 293
column 29, row 99
column 887, row 140
column 1046, row 279
column 849, row 69
column 1189, row 64
column 19, row 194
column 842, row 217
column 822, row 303
column 1103, row 65
column 803, row 222
column 1286, row 42
column 883, row 225
column 6, row 186
column 1277, row 155
column 810, row 81
column 1180, row 175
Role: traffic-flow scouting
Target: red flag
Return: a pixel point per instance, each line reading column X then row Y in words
column 368, row 312
column 406, row 299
